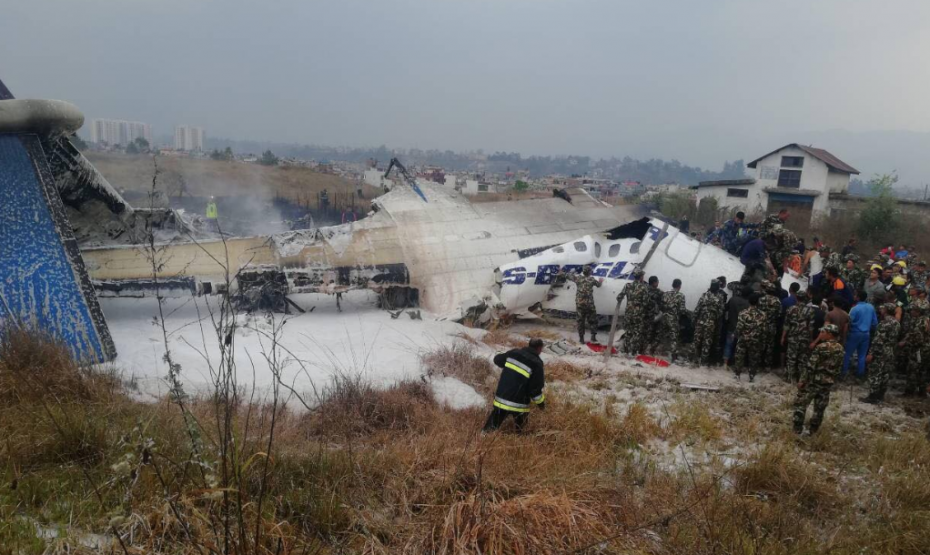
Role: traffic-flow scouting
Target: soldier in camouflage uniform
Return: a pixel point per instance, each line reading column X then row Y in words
column 907, row 319
column 673, row 304
column 817, row 379
column 638, row 304
column 750, row 332
column 779, row 240
column 914, row 344
column 881, row 355
column 835, row 260
column 770, row 305
column 654, row 314
column 707, row 317
column 586, row 313
column 772, row 221
column 796, row 337
column 919, row 275
column 853, row 275
column 717, row 348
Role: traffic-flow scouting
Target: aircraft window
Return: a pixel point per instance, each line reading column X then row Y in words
column 614, row 251
column 597, row 250
column 635, row 248
column 580, row 246
column 558, row 250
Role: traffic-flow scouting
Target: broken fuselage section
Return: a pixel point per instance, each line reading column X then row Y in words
column 534, row 283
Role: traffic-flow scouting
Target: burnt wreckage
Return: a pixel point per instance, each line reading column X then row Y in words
column 422, row 244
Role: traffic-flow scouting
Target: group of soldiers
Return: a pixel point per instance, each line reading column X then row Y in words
column 651, row 314
column 749, row 330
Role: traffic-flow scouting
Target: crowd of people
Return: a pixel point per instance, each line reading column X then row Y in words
column 842, row 306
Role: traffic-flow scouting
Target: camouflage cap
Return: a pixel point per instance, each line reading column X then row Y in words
column 638, row 273
column 890, row 307
column 853, row 257
column 768, row 285
column 801, row 295
column 830, row 328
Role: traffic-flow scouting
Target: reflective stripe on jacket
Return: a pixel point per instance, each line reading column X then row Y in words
column 522, row 380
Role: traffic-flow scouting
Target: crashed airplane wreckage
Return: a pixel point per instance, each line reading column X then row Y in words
column 426, row 245
column 440, row 254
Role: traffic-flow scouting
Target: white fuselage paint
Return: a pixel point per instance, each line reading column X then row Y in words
column 531, row 281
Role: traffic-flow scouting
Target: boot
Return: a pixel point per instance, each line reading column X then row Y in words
column 581, row 338
column 593, row 338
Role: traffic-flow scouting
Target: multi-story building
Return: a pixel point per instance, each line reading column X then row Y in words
column 800, row 178
column 189, row 138
column 118, row 132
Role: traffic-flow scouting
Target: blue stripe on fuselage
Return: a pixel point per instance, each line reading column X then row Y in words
column 545, row 274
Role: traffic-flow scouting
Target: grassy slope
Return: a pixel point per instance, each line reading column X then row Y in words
column 212, row 177
column 668, row 471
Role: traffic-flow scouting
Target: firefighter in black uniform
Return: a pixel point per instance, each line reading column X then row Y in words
column 521, row 385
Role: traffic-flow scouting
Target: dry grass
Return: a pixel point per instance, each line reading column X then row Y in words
column 502, row 338
column 34, row 367
column 545, row 335
column 563, row 371
column 212, row 177
column 391, row 471
column 353, row 407
column 460, row 361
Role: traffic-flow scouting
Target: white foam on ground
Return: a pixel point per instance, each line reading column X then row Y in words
column 315, row 347
column 455, row 393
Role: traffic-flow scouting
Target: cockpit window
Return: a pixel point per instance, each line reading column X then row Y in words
column 614, row 251
column 597, row 250
column 635, row 248
column 558, row 250
column 580, row 246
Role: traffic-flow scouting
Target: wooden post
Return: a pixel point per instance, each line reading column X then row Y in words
column 613, row 323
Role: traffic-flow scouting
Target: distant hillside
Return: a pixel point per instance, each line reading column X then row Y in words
column 654, row 171
column 180, row 176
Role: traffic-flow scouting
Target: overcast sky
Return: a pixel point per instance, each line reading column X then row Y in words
column 701, row 81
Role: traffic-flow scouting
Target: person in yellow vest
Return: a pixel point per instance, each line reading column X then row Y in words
column 211, row 214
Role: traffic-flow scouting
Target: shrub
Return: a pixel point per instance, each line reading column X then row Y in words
column 460, row 361
column 877, row 220
column 353, row 407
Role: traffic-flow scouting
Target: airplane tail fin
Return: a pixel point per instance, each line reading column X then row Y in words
column 5, row 93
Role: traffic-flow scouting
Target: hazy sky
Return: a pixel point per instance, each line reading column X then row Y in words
column 701, row 81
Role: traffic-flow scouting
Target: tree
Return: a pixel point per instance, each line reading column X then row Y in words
column 132, row 148
column 675, row 205
column 877, row 220
column 226, row 155
column 521, row 186
column 142, row 144
column 268, row 159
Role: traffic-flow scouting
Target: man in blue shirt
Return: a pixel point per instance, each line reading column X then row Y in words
column 791, row 299
column 732, row 234
column 753, row 253
column 862, row 320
